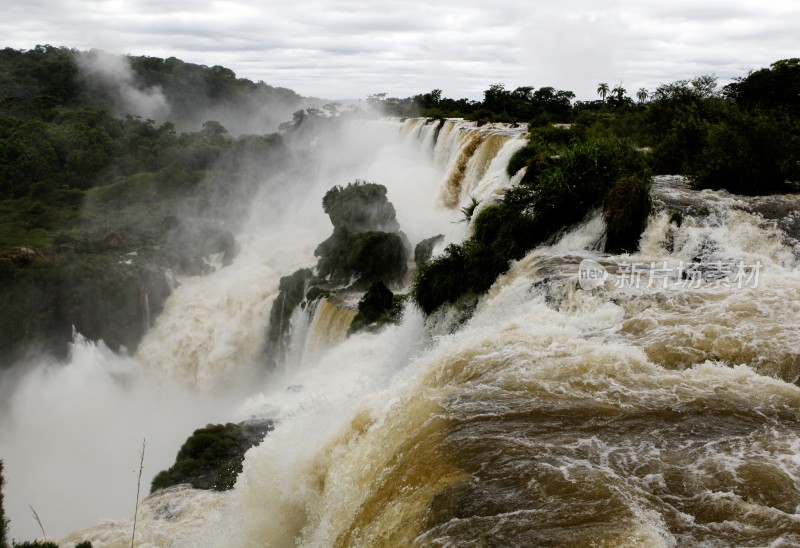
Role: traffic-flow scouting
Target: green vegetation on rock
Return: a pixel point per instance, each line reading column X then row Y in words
column 366, row 245
column 378, row 307
column 424, row 249
column 366, row 250
column 362, row 258
column 211, row 458
column 291, row 293
column 360, row 207
column 559, row 191
column 98, row 208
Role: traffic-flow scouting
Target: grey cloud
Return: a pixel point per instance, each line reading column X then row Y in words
column 348, row 48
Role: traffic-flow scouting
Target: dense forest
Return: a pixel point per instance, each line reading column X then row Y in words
column 86, row 176
column 83, row 182
column 743, row 137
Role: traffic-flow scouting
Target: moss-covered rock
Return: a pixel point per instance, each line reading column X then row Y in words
column 376, row 308
column 366, row 245
column 360, row 259
column 360, row 207
column 211, row 458
column 366, row 248
column 424, row 249
column 291, row 292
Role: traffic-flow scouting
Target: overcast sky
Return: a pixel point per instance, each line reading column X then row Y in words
column 351, row 48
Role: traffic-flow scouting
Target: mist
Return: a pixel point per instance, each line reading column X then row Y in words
column 72, row 430
column 185, row 94
column 71, row 436
column 113, row 74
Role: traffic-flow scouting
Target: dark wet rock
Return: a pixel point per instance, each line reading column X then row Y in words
column 438, row 129
column 316, row 293
column 292, row 290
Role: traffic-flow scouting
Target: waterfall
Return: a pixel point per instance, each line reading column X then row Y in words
column 656, row 406
column 472, row 158
column 558, row 415
column 328, row 328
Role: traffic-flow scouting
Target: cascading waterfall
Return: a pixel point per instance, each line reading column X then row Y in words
column 328, row 327
column 550, row 419
column 467, row 153
column 654, row 407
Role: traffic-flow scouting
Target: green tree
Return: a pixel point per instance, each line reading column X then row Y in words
column 212, row 127
column 642, row 95
column 771, row 87
column 749, row 153
column 602, row 90
column 496, row 98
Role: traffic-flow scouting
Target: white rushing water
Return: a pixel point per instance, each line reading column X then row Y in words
column 657, row 408
column 70, row 434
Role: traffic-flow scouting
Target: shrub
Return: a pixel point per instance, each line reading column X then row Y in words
column 377, row 307
column 625, row 211
column 440, row 281
column 542, row 143
column 211, row 457
column 749, row 153
column 360, row 207
column 676, row 217
column 563, row 189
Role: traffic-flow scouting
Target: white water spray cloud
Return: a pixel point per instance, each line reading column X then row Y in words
column 70, row 435
column 115, row 72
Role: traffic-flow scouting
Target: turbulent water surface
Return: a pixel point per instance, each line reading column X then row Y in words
column 656, row 406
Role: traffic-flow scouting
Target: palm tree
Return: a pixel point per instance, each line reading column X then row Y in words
column 642, row 95
column 619, row 91
column 602, row 90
